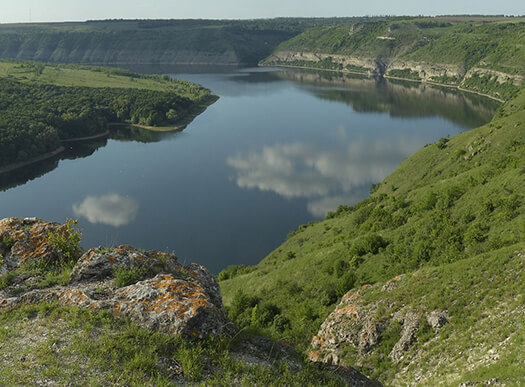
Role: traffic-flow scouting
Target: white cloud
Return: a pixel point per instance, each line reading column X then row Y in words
column 328, row 177
column 111, row 209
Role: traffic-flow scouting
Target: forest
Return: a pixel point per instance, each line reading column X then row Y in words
column 36, row 116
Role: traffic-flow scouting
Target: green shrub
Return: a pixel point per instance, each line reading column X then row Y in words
column 233, row 271
column 126, row 276
column 8, row 242
column 368, row 244
column 6, row 279
column 345, row 283
column 442, row 143
column 66, row 241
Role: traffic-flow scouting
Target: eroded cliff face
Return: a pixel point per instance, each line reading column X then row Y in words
column 428, row 71
column 367, row 66
column 442, row 73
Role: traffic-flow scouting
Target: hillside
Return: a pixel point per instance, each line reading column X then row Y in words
column 119, row 42
column 450, row 220
column 123, row 316
column 483, row 55
column 42, row 105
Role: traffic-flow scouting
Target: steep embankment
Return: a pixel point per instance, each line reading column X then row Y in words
column 485, row 57
column 142, row 42
column 451, row 220
column 119, row 42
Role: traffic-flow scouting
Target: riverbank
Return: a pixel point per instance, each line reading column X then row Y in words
column 12, row 167
column 367, row 75
column 76, row 139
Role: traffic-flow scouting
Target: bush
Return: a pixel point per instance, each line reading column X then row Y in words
column 233, row 271
column 345, row 283
column 66, row 241
column 241, row 307
column 442, row 143
column 8, row 242
column 368, row 244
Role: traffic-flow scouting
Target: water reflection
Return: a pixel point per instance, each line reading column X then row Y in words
column 398, row 98
column 78, row 150
column 112, row 209
column 325, row 176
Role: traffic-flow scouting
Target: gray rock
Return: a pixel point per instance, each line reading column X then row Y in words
column 408, row 336
column 99, row 263
column 437, row 320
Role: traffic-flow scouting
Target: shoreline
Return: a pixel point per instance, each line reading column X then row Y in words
column 75, row 139
column 432, row 83
column 45, row 156
column 185, row 121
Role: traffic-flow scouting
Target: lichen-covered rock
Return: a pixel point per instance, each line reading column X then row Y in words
column 100, row 263
column 167, row 297
column 358, row 326
column 167, row 304
column 350, row 323
column 26, row 240
column 437, row 319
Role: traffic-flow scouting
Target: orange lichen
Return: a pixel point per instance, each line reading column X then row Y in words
column 349, row 311
column 111, row 259
column 73, row 297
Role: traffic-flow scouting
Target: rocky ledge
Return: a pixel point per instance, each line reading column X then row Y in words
column 159, row 293
column 360, row 326
column 148, row 287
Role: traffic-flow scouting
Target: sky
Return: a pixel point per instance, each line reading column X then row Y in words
column 14, row 11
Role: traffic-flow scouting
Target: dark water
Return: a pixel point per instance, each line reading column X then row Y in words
column 278, row 149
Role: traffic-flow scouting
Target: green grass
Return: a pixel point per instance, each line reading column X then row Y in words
column 90, row 76
column 457, row 45
column 453, row 215
column 66, row 345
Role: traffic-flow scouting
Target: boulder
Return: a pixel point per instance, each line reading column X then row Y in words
column 26, row 240
column 168, row 297
column 99, row 263
column 437, row 319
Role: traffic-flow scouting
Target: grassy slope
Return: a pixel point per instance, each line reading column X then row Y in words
column 164, row 41
column 453, row 205
column 498, row 44
column 53, row 345
column 423, row 45
column 90, row 76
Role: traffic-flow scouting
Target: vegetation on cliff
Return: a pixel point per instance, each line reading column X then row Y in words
column 41, row 105
column 116, row 42
column 452, row 217
column 484, row 56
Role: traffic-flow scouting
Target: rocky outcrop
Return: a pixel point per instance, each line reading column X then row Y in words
column 361, row 325
column 428, row 71
column 150, row 288
column 26, row 241
column 161, row 294
column 450, row 74
column 498, row 76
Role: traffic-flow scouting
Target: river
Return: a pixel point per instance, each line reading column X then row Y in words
column 278, row 149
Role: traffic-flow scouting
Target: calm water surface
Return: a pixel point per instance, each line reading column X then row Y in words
column 278, row 149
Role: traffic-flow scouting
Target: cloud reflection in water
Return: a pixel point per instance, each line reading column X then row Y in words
column 327, row 177
column 111, row 209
